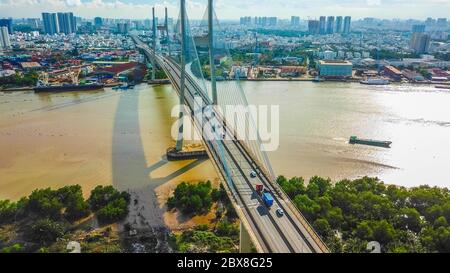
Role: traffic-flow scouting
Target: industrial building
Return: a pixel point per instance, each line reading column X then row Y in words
column 335, row 69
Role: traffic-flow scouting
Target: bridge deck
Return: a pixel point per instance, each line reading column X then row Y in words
column 288, row 233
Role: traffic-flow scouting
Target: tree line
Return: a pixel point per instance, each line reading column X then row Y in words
column 350, row 213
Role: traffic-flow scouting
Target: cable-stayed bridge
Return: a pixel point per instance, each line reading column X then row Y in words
column 238, row 159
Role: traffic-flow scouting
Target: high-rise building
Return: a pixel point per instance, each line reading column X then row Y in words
column 50, row 23
column 122, row 28
column 33, row 22
column 339, row 24
column 442, row 22
column 322, row 25
column 7, row 23
column 4, row 38
column 418, row 28
column 347, row 22
column 313, row 27
column 295, row 20
column 66, row 22
column 245, row 21
column 273, row 21
column 98, row 21
column 430, row 21
column 266, row 21
column 420, row 42
column 330, row 25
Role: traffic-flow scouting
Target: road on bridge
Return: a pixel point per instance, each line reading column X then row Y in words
column 272, row 233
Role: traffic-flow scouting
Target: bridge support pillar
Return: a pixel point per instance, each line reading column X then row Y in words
column 166, row 23
column 179, row 146
column 211, row 50
column 245, row 243
column 154, row 45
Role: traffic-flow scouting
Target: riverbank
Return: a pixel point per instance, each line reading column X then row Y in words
column 350, row 80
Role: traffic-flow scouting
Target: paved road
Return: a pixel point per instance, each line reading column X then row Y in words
column 287, row 233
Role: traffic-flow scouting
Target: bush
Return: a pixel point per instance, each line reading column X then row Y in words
column 45, row 203
column 114, row 211
column 72, row 199
column 205, row 241
column 46, row 231
column 102, row 195
column 16, row 248
column 8, row 211
column 191, row 198
column 110, row 204
column 226, row 228
column 365, row 209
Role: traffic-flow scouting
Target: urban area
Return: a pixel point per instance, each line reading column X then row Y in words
column 100, row 172
column 61, row 48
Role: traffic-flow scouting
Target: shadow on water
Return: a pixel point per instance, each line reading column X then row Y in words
column 130, row 168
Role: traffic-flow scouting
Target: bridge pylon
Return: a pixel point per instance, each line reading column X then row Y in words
column 166, row 23
column 245, row 242
column 211, row 50
column 179, row 145
column 153, row 45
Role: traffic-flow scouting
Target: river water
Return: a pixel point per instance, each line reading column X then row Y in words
column 119, row 138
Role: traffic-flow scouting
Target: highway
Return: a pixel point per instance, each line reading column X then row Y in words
column 270, row 233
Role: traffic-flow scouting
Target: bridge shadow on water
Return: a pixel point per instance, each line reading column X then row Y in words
column 130, row 169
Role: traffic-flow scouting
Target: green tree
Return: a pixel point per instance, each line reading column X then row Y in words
column 323, row 185
column 45, row 203
column 114, row 211
column 192, row 198
column 293, row 186
column 409, row 218
column 46, row 231
column 322, row 227
column 307, row 206
column 364, row 231
column 440, row 222
column 383, row 232
column 72, row 198
column 226, row 228
column 8, row 211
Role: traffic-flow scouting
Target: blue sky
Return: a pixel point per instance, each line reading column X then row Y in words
column 232, row 9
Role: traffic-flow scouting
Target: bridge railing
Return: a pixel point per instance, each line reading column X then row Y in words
column 305, row 223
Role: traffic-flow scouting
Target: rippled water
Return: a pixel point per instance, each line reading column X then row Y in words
column 120, row 138
column 318, row 119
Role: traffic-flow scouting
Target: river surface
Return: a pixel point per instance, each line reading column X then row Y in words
column 120, row 138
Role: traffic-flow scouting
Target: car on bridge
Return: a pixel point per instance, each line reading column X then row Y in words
column 280, row 212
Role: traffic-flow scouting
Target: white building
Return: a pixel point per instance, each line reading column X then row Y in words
column 329, row 55
column 4, row 38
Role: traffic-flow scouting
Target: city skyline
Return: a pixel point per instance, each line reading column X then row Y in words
column 229, row 10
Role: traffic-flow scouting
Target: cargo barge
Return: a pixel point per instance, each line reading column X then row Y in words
column 68, row 87
column 370, row 142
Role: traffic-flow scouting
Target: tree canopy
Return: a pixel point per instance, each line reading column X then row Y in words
column 350, row 213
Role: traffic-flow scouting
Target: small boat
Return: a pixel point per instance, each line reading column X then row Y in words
column 68, row 87
column 375, row 81
column 370, row 142
column 442, row 86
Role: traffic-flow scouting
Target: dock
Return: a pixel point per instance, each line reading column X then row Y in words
column 174, row 155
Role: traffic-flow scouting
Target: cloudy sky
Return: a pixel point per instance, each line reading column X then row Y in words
column 231, row 9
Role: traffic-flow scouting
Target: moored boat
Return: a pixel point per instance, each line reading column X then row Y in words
column 375, row 81
column 370, row 142
column 68, row 87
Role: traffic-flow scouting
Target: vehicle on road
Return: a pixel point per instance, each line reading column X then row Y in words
column 280, row 212
column 252, row 174
column 268, row 199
